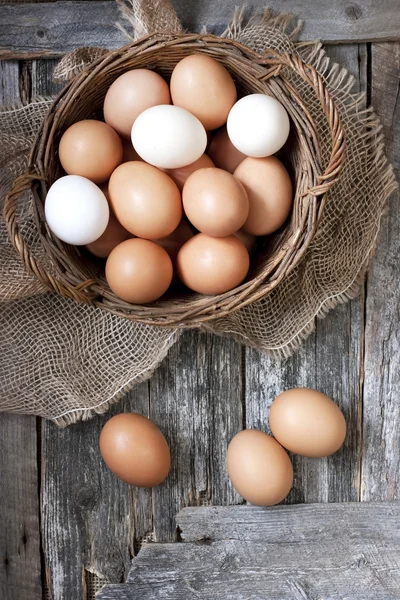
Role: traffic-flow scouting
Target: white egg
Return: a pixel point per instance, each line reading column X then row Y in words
column 168, row 137
column 258, row 125
column 76, row 210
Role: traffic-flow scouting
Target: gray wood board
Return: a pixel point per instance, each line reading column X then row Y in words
column 54, row 28
column 330, row 360
column 381, row 439
column 19, row 489
column 302, row 552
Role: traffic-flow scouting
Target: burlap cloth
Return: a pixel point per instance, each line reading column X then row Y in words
column 66, row 361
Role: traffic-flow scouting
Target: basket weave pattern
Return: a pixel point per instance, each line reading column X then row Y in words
column 72, row 274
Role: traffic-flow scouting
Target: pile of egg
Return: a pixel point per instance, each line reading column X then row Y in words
column 141, row 192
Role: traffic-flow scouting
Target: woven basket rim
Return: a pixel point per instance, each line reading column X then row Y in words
column 67, row 275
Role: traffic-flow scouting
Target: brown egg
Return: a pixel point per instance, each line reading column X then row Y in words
column 113, row 235
column 180, row 175
column 145, row 200
column 211, row 265
column 215, row 202
column 139, row 271
column 135, row 450
column 175, row 240
column 223, row 153
column 90, row 149
column 204, row 87
column 131, row 94
column 129, row 152
column 270, row 193
column 246, row 238
column 307, row 422
column 259, row 468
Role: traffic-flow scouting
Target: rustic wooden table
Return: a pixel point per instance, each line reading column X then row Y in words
column 67, row 525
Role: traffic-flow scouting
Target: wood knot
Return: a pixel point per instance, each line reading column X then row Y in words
column 353, row 12
column 86, row 497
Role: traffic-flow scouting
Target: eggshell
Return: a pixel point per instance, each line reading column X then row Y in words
column 175, row 240
column 135, row 450
column 258, row 125
column 139, row 271
column 270, row 193
column 131, row 94
column 211, row 265
column 113, row 235
column 215, row 202
column 180, row 175
column 204, row 87
column 246, row 238
column 168, row 137
column 91, row 149
column 145, row 200
column 259, row 468
column 76, row 210
column 307, row 422
column 129, row 152
column 223, row 153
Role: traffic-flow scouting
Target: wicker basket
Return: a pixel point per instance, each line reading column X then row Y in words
column 74, row 274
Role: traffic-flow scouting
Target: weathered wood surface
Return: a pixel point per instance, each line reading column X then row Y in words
column 207, row 388
column 381, row 438
column 330, row 551
column 19, row 501
column 54, row 28
column 330, row 361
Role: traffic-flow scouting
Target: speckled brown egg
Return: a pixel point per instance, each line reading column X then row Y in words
column 135, row 450
column 259, row 468
column 203, row 86
column 307, row 422
column 91, row 149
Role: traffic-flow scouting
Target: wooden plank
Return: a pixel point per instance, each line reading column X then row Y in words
column 299, row 523
column 19, row 489
column 196, row 395
column 54, row 28
column 329, row 361
column 329, row 551
column 381, row 440
column 88, row 514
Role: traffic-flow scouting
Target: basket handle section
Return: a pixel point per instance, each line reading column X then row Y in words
column 23, row 184
column 316, row 81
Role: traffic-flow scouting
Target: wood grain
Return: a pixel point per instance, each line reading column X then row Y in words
column 331, row 551
column 88, row 514
column 196, row 397
column 54, row 28
column 19, row 489
column 381, row 440
column 328, row 361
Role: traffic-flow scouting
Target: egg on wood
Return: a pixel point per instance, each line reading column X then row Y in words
column 135, row 450
column 307, row 422
column 259, row 468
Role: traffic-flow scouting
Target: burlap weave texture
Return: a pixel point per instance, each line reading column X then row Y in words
column 65, row 361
